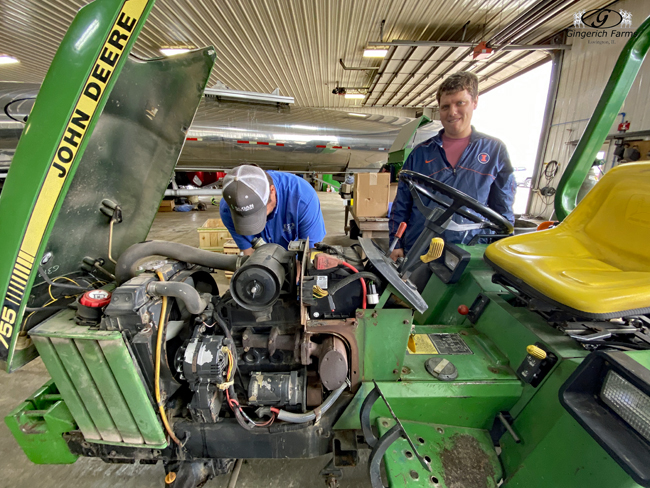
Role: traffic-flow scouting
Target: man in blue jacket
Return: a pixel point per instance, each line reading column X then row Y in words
column 278, row 207
column 458, row 156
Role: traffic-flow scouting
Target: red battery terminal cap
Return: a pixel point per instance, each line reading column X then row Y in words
column 95, row 298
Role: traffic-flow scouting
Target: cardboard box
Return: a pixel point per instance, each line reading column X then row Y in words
column 166, row 206
column 371, row 194
column 393, row 191
column 213, row 234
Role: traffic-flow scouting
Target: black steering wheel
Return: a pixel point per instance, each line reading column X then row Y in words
column 424, row 185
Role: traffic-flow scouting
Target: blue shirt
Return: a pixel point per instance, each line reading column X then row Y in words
column 297, row 214
column 483, row 172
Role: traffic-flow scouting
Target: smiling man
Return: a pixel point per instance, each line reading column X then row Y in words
column 458, row 156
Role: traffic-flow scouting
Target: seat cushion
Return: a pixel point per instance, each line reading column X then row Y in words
column 560, row 267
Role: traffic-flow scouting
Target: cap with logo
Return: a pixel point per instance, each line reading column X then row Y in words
column 246, row 190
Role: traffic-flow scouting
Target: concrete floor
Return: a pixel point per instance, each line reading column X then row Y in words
column 18, row 472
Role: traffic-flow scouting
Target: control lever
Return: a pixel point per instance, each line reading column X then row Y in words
column 398, row 236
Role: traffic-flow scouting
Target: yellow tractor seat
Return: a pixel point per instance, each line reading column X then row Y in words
column 596, row 263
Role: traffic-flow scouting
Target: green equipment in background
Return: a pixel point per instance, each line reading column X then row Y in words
column 402, row 147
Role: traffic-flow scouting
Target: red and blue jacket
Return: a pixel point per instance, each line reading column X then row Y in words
column 483, row 172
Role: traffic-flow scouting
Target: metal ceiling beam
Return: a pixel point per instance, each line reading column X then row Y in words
column 394, row 75
column 378, row 75
column 418, row 97
column 426, row 75
column 412, row 74
column 507, row 32
column 487, row 65
column 526, row 28
column 355, row 68
column 519, row 27
column 531, row 47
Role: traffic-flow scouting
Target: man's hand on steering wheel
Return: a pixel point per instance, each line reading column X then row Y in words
column 459, row 204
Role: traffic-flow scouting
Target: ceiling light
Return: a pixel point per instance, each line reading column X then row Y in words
column 357, row 115
column 375, row 53
column 4, row 59
column 357, row 96
column 173, row 51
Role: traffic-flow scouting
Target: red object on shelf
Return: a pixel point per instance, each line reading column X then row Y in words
column 463, row 309
column 624, row 126
column 95, row 298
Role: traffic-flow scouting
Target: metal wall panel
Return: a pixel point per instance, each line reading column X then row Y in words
column 585, row 71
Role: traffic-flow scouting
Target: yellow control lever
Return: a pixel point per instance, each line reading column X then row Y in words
column 536, row 352
column 435, row 250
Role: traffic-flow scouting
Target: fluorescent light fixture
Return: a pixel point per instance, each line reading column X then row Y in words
column 5, row 59
column 357, row 115
column 357, row 96
column 229, row 94
column 173, row 51
column 375, row 53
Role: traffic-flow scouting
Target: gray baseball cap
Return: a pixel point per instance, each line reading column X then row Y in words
column 246, row 190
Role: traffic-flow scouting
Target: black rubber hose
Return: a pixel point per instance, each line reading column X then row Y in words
column 40, row 309
column 181, row 291
column 349, row 279
column 125, row 267
column 321, row 246
column 47, row 279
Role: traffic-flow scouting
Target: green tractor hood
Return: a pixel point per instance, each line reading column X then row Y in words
column 100, row 146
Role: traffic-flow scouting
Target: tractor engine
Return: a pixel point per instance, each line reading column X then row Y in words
column 255, row 353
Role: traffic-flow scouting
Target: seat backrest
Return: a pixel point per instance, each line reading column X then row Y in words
column 613, row 220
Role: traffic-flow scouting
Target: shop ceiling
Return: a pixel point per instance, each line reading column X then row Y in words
column 303, row 47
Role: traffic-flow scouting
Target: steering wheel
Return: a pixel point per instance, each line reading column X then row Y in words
column 424, row 185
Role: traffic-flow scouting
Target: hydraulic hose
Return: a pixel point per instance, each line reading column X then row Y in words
column 301, row 418
column 126, row 264
column 159, row 340
column 182, row 291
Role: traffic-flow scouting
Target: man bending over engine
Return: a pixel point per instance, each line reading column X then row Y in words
column 472, row 162
column 278, row 207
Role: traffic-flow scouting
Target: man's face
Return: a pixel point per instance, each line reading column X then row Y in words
column 456, row 111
